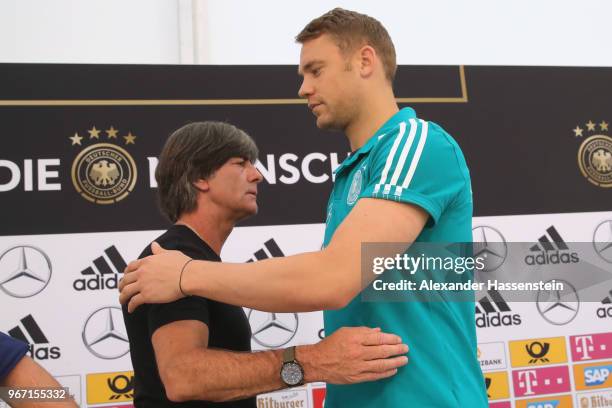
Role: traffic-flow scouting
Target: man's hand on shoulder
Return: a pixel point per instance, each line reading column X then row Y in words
column 353, row 355
column 153, row 282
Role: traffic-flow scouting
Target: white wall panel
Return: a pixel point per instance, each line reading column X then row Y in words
column 97, row 32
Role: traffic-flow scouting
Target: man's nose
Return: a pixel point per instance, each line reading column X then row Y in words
column 254, row 175
column 305, row 89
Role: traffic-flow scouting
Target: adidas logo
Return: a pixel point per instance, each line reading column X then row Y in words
column 605, row 311
column 270, row 250
column 103, row 276
column 496, row 313
column 551, row 252
column 35, row 337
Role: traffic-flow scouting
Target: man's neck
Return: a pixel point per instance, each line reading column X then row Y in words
column 211, row 228
column 374, row 113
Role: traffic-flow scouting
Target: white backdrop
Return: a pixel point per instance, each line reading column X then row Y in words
column 448, row 32
column 72, row 253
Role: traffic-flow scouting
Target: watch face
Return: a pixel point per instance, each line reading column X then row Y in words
column 292, row 374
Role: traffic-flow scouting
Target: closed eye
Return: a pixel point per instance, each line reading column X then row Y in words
column 240, row 162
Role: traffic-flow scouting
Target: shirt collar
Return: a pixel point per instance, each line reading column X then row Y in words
column 401, row 116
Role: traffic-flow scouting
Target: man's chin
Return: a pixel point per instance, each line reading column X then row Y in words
column 249, row 212
column 328, row 125
column 325, row 123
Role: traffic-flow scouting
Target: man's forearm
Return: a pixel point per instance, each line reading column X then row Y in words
column 326, row 279
column 28, row 374
column 300, row 283
column 220, row 375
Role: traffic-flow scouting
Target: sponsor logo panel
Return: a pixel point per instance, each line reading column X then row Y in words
column 605, row 311
column 492, row 310
column 504, row 404
column 602, row 244
column 602, row 399
column 558, row 307
column 40, row 348
column 591, row 346
column 25, row 271
column 110, row 388
column 538, row 352
column 497, row 385
column 318, row 397
column 540, row 381
column 104, row 333
column 270, row 250
column 492, row 356
column 557, row 401
column 295, row 398
column 602, row 241
column 551, row 249
column 490, row 245
column 272, row 330
column 592, row 376
column 104, row 274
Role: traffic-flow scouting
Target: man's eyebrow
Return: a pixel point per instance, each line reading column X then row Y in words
column 309, row 66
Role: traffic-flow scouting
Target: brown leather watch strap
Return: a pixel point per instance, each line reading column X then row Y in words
column 289, row 354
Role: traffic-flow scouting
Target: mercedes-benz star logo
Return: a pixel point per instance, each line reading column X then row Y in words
column 104, row 333
column 273, row 330
column 24, row 271
column 602, row 240
column 491, row 245
column 558, row 307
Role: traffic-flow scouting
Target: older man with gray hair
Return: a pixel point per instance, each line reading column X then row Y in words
column 195, row 352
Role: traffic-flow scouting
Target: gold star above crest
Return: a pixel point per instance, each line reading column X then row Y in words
column 129, row 139
column 603, row 125
column 590, row 126
column 112, row 133
column 578, row 131
column 94, row 133
column 76, row 139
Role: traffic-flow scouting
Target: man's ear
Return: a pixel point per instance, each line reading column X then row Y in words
column 202, row 185
column 367, row 60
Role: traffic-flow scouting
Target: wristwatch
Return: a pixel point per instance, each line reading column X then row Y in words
column 291, row 372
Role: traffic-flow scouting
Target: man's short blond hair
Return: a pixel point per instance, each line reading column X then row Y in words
column 351, row 30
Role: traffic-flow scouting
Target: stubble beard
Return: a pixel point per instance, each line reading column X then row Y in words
column 337, row 121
